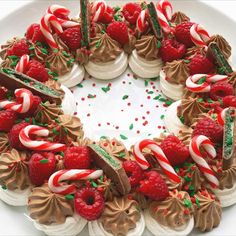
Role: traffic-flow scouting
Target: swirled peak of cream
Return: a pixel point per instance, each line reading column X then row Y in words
column 191, row 52
column 54, row 85
column 179, row 17
column 14, row 170
column 104, row 49
column 207, row 211
column 6, row 46
column 185, row 135
column 222, row 44
column 176, row 72
column 38, row 52
column 175, row 211
column 147, row 47
column 130, row 46
column 7, row 63
column 120, row 216
column 4, row 143
column 47, row 208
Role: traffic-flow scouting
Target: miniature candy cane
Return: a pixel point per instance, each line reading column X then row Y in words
column 161, row 158
column 141, row 21
column 199, row 35
column 192, row 85
column 55, row 181
column 38, row 145
column 98, row 9
column 201, row 141
column 22, row 107
column 22, row 63
column 221, row 116
column 167, row 9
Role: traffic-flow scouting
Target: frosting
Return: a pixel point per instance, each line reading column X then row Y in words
column 6, row 46
column 232, row 80
column 14, row 170
column 130, row 46
column 176, row 72
column 54, row 85
column 179, row 17
column 4, row 143
column 47, row 207
column 82, row 56
column 191, row 52
column 175, row 211
column 143, row 201
column 185, row 135
column 120, row 216
column 8, row 63
column 38, row 52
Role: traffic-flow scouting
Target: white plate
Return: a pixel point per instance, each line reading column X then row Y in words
column 106, row 107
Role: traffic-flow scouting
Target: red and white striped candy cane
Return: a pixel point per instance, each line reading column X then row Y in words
column 57, row 186
column 201, row 141
column 98, row 9
column 23, row 107
column 159, row 154
column 192, row 85
column 141, row 22
column 22, row 63
column 221, row 116
column 38, row 145
column 167, row 9
column 199, row 35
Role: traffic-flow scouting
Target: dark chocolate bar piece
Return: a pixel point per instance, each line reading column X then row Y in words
column 85, row 22
column 111, row 167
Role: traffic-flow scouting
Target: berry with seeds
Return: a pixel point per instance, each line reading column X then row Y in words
column 7, row 120
column 131, row 12
column 182, row 33
column 89, row 203
column 108, row 15
column 35, row 34
column 220, row 90
column 19, row 48
column 229, row 101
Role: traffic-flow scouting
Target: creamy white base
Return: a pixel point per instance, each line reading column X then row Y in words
column 143, row 68
column 172, row 121
column 15, row 198
column 96, row 229
column 108, row 70
column 74, row 77
column 72, row 226
column 159, row 230
column 173, row 91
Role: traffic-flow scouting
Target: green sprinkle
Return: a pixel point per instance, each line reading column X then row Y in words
column 106, row 89
column 66, row 130
column 187, row 203
column 200, row 100
column 39, row 44
column 145, row 83
column 91, row 96
column 191, row 187
column 55, row 50
column 155, row 78
column 70, row 61
column 197, row 202
column 13, row 57
column 55, row 131
column 157, row 97
column 44, row 161
column 4, row 187
column 103, row 137
column 102, row 178
column 168, row 102
column 57, row 120
column 162, row 117
column 202, row 80
column 94, row 184
column 131, row 127
column 52, row 73
column 116, row 9
column 177, row 169
column 47, row 64
column 44, row 51
column 158, row 44
column 65, row 54
column 123, row 137
column 80, row 85
column 31, row 48
column 150, row 92
column 187, row 179
column 69, row 197
column 181, row 119
column 61, row 153
column 162, row 99
column 122, row 154
column 34, row 121
column 98, row 43
column 125, row 97
column 186, row 61
column 27, row 119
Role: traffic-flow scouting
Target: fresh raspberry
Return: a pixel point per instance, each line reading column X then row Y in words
column 182, row 33
column 175, row 150
column 3, row 93
column 35, row 34
column 37, row 71
column 131, row 12
column 220, row 90
column 77, row 158
column 19, row 48
column 41, row 167
column 134, row 172
column 7, row 120
column 108, row 15
column 72, row 38
column 89, row 203
column 153, row 186
column 171, row 50
column 200, row 64
column 14, row 135
column 119, row 32
column 210, row 129
column 229, row 101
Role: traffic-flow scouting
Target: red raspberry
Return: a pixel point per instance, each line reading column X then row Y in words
column 210, row 129
column 37, row 71
column 171, row 50
column 72, row 38
column 35, row 34
column 19, row 48
column 199, row 64
column 220, row 90
column 77, row 158
column 175, row 150
column 14, row 135
column 182, row 33
column 131, row 12
column 119, row 32
column 41, row 167
column 3, row 93
column 229, row 101
column 153, row 186
column 89, row 203
column 108, row 15
column 7, row 120
column 134, row 172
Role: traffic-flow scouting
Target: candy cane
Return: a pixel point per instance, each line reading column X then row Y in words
column 98, row 9
column 192, row 85
column 221, row 116
column 159, row 154
column 199, row 35
column 22, row 63
column 24, row 106
column 167, row 9
column 141, row 21
column 38, row 145
column 201, row 141
column 55, row 181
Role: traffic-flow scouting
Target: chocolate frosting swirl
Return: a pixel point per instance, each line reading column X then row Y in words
column 175, row 211
column 14, row 170
column 6, row 46
column 104, row 49
column 191, row 52
column 120, row 216
column 147, row 47
column 7, row 63
column 4, row 143
column 130, row 46
column 207, row 213
column 38, row 52
column 47, row 208
column 185, row 135
column 179, row 17
column 232, row 80
column 54, row 85
column 176, row 72
column 143, row 201
column 82, row 56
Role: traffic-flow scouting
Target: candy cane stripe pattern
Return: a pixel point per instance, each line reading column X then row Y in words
column 199, row 35
column 19, row 107
column 38, row 145
column 221, row 116
column 141, row 21
column 161, row 158
column 167, row 9
column 22, row 63
column 201, row 141
column 98, row 9
column 57, row 186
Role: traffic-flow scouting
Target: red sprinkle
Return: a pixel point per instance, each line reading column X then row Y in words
column 141, row 105
column 75, row 113
column 88, row 114
column 94, row 84
column 123, row 82
column 143, row 117
column 82, row 99
column 148, row 112
column 138, row 131
column 108, row 123
column 99, row 124
column 129, row 104
column 117, row 127
column 136, row 119
column 148, row 97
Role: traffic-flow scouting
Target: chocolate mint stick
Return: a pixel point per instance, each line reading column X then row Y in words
column 85, row 22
